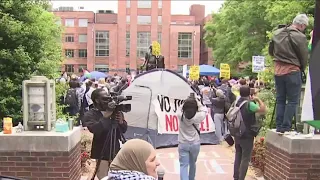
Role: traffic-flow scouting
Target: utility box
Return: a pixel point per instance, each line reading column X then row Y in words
column 39, row 103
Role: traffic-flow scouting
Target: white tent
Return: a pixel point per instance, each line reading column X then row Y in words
column 143, row 120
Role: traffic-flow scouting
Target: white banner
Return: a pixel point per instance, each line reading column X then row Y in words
column 168, row 123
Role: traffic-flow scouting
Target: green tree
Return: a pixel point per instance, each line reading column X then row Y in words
column 30, row 43
column 241, row 29
column 237, row 31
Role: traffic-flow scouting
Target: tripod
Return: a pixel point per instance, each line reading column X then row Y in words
column 111, row 140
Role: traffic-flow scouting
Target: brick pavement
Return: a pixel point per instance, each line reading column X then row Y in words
column 214, row 162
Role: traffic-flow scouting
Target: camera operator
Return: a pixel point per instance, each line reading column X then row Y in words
column 98, row 121
column 193, row 112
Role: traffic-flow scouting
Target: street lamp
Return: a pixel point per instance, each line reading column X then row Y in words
column 194, row 39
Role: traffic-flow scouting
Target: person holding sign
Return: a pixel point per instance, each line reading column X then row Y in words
column 192, row 114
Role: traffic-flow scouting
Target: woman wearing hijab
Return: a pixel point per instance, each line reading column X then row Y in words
column 135, row 161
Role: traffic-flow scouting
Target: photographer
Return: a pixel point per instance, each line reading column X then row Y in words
column 98, row 121
column 289, row 49
column 193, row 112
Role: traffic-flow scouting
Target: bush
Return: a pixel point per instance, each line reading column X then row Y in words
column 85, row 151
column 258, row 154
column 61, row 90
column 268, row 97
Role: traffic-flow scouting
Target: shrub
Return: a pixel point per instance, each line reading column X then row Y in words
column 258, row 154
column 85, row 151
column 268, row 97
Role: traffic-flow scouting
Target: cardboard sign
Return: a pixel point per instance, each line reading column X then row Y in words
column 258, row 64
column 194, row 72
column 224, row 71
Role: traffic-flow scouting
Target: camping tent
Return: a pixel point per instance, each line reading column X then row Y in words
column 143, row 121
column 207, row 70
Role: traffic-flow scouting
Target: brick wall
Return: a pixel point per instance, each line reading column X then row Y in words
column 281, row 165
column 42, row 165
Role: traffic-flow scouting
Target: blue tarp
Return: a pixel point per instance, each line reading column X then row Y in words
column 207, row 70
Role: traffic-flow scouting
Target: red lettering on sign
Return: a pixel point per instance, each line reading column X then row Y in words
column 204, row 125
column 172, row 123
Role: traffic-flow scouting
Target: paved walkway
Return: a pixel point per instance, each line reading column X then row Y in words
column 214, row 162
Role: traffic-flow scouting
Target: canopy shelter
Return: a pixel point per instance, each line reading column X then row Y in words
column 207, row 70
column 94, row 75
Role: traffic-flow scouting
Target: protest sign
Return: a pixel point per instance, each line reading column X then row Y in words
column 167, row 110
column 258, row 64
column 194, row 72
column 224, row 71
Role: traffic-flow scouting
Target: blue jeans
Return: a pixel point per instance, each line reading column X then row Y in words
column 188, row 154
column 288, row 89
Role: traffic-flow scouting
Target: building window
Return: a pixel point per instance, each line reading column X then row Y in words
column 69, row 53
column 144, row 19
column 159, row 3
column 82, row 53
column 83, row 22
column 128, row 3
column 128, row 43
column 144, row 41
column 69, row 23
column 69, row 38
column 102, row 68
column 102, row 43
column 159, row 20
column 185, row 45
column 128, row 19
column 159, row 37
column 127, row 68
column 144, row 3
column 82, row 67
column 180, row 68
column 82, row 38
column 69, row 68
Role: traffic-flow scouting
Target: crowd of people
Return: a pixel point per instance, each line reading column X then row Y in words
column 219, row 95
column 77, row 98
column 137, row 158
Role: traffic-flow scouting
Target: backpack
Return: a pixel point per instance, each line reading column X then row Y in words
column 235, row 120
column 71, row 98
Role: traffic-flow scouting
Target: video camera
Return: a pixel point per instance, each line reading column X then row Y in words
column 116, row 100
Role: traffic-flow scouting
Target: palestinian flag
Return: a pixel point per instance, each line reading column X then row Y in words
column 311, row 103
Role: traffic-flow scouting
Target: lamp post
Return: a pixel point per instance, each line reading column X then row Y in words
column 193, row 40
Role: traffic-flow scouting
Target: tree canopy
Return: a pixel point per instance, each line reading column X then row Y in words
column 242, row 29
column 30, row 43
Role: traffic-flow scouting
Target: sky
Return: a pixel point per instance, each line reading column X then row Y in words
column 177, row 6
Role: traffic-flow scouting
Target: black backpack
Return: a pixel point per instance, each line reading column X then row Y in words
column 71, row 98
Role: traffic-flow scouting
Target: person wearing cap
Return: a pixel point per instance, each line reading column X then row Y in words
column 289, row 49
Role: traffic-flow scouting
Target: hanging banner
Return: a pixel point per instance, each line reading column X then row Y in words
column 168, row 123
column 224, row 71
column 258, row 64
column 194, row 72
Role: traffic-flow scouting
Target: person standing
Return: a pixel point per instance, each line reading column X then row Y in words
column 244, row 143
column 192, row 114
column 289, row 49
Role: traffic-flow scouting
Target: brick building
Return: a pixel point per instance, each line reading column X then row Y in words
column 109, row 42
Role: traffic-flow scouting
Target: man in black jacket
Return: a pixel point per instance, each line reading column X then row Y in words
column 98, row 121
